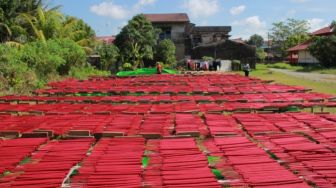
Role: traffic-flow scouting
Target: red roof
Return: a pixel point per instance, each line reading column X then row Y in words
column 175, row 17
column 324, row 31
column 106, row 39
column 302, row 46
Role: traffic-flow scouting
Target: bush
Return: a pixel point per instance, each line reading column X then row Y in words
column 109, row 54
column 55, row 56
column 15, row 75
column 87, row 71
column 127, row 67
column 282, row 65
column 236, row 65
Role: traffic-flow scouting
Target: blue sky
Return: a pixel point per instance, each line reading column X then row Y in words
column 246, row 17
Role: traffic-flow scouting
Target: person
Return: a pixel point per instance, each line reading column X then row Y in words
column 158, row 68
column 246, row 69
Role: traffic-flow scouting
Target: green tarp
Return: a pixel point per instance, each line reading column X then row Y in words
column 145, row 71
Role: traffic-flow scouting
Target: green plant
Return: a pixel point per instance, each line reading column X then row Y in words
column 165, row 52
column 15, row 75
column 127, row 67
column 207, row 58
column 324, row 49
column 86, row 71
column 137, row 40
column 109, row 54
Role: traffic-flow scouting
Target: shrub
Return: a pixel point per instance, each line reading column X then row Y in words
column 127, row 67
column 109, row 54
column 86, row 71
column 282, row 65
column 15, row 75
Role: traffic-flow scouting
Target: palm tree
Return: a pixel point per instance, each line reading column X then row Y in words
column 9, row 10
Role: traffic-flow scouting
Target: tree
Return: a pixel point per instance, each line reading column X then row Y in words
column 288, row 34
column 9, row 10
column 165, row 52
column 324, row 49
column 256, row 40
column 109, row 54
column 137, row 40
column 261, row 54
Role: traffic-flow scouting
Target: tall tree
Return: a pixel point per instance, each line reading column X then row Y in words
column 256, row 40
column 137, row 40
column 288, row 34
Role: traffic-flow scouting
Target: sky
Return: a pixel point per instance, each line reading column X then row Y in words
column 247, row 17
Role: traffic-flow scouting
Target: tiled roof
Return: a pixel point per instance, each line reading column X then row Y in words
column 175, row 17
column 323, row 31
column 302, row 46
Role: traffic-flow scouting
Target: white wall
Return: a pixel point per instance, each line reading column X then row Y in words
column 226, row 65
column 306, row 57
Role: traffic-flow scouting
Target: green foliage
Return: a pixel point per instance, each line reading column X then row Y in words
column 261, row 54
column 15, row 75
column 256, row 40
column 236, row 65
column 165, row 52
column 127, row 67
column 86, row 71
column 9, row 10
column 109, row 54
column 55, row 56
column 207, row 58
column 288, row 34
column 137, row 40
column 282, row 65
column 324, row 49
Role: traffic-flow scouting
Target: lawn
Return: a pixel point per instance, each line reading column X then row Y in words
column 262, row 72
column 314, row 69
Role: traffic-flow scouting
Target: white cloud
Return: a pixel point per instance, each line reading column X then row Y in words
column 146, row 2
column 249, row 26
column 110, row 9
column 116, row 11
column 237, row 10
column 201, row 8
column 316, row 24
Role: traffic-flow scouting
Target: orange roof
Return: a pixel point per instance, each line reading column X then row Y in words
column 174, row 17
column 302, row 46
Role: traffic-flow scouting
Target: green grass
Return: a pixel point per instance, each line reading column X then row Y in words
column 145, row 161
column 264, row 73
column 297, row 68
column 25, row 160
column 282, row 65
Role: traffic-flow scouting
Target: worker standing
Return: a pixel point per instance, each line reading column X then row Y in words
column 158, row 68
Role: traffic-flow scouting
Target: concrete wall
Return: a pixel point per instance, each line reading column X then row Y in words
column 306, row 57
column 177, row 36
column 177, row 33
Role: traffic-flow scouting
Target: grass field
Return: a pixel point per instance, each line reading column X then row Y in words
column 313, row 69
column 262, row 72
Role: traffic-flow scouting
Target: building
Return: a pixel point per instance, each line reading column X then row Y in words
column 300, row 53
column 198, row 41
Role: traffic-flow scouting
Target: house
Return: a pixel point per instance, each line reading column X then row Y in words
column 198, row 41
column 300, row 53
